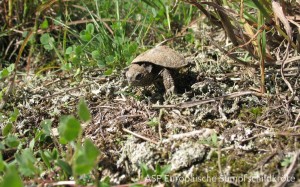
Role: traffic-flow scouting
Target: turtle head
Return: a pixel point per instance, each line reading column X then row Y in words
column 140, row 74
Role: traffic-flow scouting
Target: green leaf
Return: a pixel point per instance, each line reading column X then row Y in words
column 40, row 135
column 189, row 37
column 65, row 166
column 83, row 111
column 85, row 36
column 48, row 156
column 158, row 169
column 12, row 141
column 108, row 71
column 7, row 129
column 75, row 60
column 78, row 50
column 162, row 171
column 109, row 59
column 101, row 63
column 69, row 128
column 24, row 34
column 46, row 125
column 90, row 28
column 78, row 71
column 146, row 171
column 256, row 111
column 69, row 50
column 26, row 162
column 286, row 162
column 165, row 169
column 47, row 41
column 91, row 151
column 14, row 115
column 105, row 182
column 132, row 48
column 82, row 165
column 2, row 146
column 57, row 20
column 66, row 66
column 4, row 73
column 11, row 178
column 54, row 154
column 154, row 12
column 45, row 158
column 214, row 139
column 2, row 163
column 96, row 54
column 11, row 68
column 153, row 122
column 45, row 38
column 87, row 158
column 45, row 24
column 31, row 144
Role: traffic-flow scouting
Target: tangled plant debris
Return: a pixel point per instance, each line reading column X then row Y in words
column 139, row 128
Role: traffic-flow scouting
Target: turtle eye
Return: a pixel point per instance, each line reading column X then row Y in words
column 139, row 76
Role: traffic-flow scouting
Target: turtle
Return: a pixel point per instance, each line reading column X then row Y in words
column 160, row 61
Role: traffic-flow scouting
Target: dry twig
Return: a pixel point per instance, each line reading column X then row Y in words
column 140, row 136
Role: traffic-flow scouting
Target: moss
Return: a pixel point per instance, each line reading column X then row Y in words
column 250, row 114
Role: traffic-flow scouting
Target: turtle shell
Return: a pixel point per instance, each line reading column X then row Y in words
column 161, row 56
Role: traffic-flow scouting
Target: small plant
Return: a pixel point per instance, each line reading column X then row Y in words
column 5, row 72
column 250, row 114
column 153, row 122
column 78, row 160
column 49, row 44
column 8, row 128
column 85, row 156
column 11, row 177
column 212, row 140
column 256, row 111
column 160, row 172
column 286, row 161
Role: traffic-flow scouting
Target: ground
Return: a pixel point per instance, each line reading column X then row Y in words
column 217, row 129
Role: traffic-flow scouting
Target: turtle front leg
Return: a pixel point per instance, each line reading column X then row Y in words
column 168, row 81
